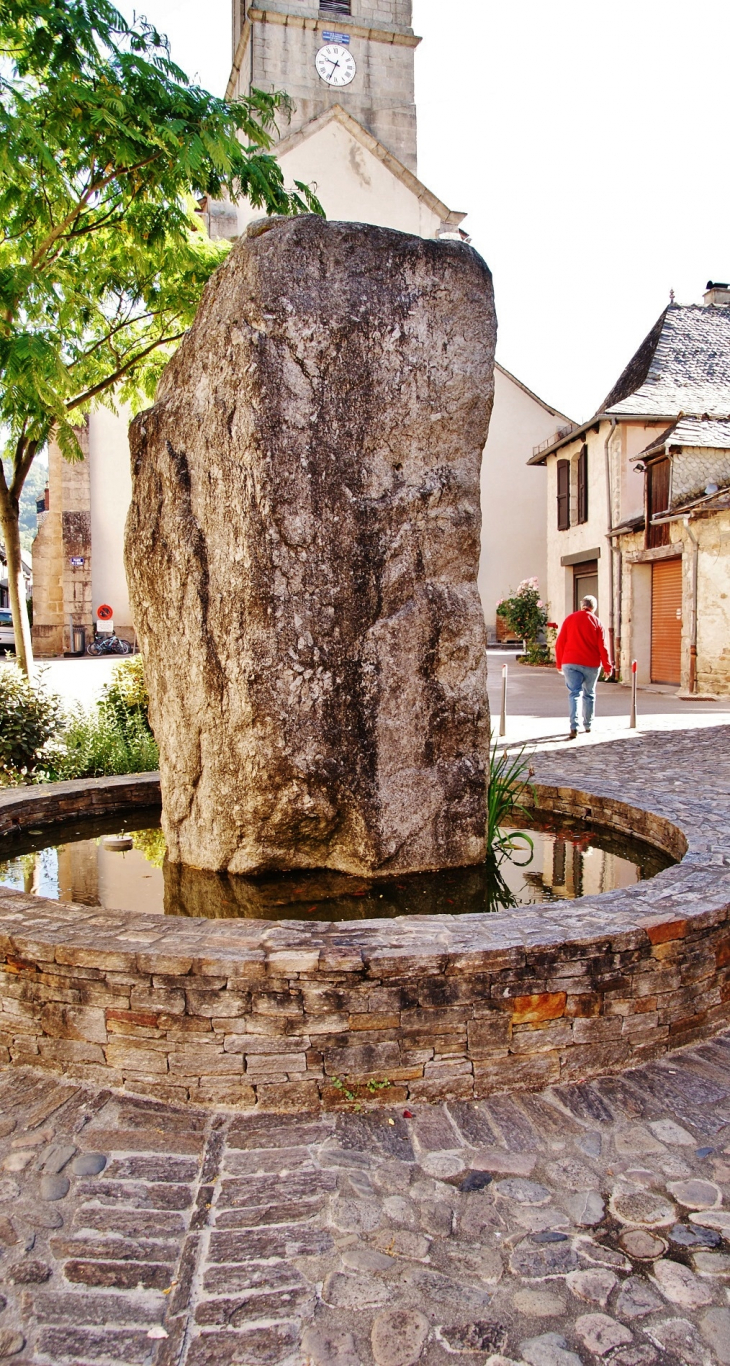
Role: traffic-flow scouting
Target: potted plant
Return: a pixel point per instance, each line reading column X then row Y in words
column 527, row 615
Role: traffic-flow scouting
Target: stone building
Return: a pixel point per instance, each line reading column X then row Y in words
column 675, row 560
column 637, row 500
column 352, row 135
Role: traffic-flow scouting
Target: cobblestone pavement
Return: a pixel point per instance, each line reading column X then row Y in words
column 587, row 1224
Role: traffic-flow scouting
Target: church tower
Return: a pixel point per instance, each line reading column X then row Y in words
column 358, row 54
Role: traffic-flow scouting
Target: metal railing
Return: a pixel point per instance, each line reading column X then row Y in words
column 557, row 436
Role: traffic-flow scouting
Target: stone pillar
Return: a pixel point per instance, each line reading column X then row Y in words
column 62, row 585
column 302, row 552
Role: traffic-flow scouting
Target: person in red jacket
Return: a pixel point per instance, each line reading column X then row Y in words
column 580, row 653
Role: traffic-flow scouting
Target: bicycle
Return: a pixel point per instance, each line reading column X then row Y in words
column 109, row 645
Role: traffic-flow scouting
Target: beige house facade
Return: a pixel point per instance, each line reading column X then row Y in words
column 636, row 505
column 356, row 143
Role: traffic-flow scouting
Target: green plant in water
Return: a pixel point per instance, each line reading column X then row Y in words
column 509, row 782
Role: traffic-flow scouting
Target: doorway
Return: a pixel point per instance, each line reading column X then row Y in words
column 666, row 621
column 585, row 582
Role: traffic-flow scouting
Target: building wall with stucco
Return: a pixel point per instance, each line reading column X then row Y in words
column 514, row 532
column 110, row 487
column 622, row 443
column 353, row 182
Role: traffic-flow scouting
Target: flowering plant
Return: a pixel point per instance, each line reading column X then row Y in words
column 524, row 611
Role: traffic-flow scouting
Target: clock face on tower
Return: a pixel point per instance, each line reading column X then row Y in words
column 335, row 64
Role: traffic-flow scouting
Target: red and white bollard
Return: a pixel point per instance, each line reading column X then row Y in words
column 634, row 668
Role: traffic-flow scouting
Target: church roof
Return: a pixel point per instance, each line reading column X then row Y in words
column 449, row 217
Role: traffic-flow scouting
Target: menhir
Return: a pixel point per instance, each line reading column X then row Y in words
column 302, row 549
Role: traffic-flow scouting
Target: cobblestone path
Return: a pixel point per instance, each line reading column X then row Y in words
column 587, row 1224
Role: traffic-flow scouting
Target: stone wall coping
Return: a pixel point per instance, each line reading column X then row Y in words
column 434, row 944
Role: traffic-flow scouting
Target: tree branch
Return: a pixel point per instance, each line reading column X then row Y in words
column 120, row 373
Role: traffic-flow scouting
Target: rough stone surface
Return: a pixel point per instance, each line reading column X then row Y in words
column 303, row 545
column 212, row 1238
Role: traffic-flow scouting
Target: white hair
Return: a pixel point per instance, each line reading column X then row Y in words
column 590, row 602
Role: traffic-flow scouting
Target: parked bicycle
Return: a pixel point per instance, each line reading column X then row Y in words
column 109, row 645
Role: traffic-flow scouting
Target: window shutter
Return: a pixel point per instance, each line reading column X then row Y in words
column 336, row 6
column 657, row 476
column 583, row 485
column 563, row 495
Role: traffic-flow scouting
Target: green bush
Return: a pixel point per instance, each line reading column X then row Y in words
column 127, row 693
column 29, row 717
column 103, row 742
column 38, row 743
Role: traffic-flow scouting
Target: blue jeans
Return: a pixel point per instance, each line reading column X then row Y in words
column 580, row 680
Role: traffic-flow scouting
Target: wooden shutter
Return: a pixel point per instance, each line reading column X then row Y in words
column 583, row 485
column 563, row 495
column 666, row 621
column 657, row 490
column 336, row 6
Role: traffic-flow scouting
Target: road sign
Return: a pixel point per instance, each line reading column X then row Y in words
column 105, row 612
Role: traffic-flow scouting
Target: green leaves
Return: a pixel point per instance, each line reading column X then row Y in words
column 103, row 142
column 29, row 717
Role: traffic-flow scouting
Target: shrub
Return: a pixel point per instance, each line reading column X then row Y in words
column 29, row 717
column 103, row 742
column 127, row 693
column 524, row 611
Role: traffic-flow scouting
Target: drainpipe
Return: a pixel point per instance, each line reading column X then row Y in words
column 609, row 538
column 693, row 631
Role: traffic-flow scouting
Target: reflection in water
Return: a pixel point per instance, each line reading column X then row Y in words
column 72, row 863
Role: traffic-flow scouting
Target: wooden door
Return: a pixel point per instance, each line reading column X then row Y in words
column 585, row 582
column 666, row 621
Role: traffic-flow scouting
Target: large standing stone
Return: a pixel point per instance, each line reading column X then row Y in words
column 302, row 549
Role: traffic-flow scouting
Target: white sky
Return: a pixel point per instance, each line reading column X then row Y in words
column 588, row 141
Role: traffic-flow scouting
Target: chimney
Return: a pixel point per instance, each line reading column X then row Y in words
column 716, row 293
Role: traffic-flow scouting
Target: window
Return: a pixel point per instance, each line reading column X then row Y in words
column 583, row 485
column 336, row 6
column 563, row 495
column 657, row 501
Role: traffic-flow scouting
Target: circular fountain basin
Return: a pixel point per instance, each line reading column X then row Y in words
column 547, row 857
column 280, row 1014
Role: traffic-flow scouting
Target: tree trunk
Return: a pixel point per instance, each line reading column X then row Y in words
column 10, row 526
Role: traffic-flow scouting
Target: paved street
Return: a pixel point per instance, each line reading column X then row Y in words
column 584, row 1224
column 537, row 706
column 76, row 680
column 537, row 699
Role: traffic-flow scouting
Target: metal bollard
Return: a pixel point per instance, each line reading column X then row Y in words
column 503, row 717
column 632, row 722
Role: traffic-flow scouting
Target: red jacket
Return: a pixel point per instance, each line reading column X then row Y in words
column 582, row 640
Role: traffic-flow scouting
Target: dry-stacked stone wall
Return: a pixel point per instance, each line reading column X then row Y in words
column 284, row 1015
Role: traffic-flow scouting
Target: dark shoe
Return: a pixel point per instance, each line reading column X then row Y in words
column 573, row 735
column 587, row 730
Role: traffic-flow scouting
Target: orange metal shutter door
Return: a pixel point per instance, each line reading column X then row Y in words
column 666, row 621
